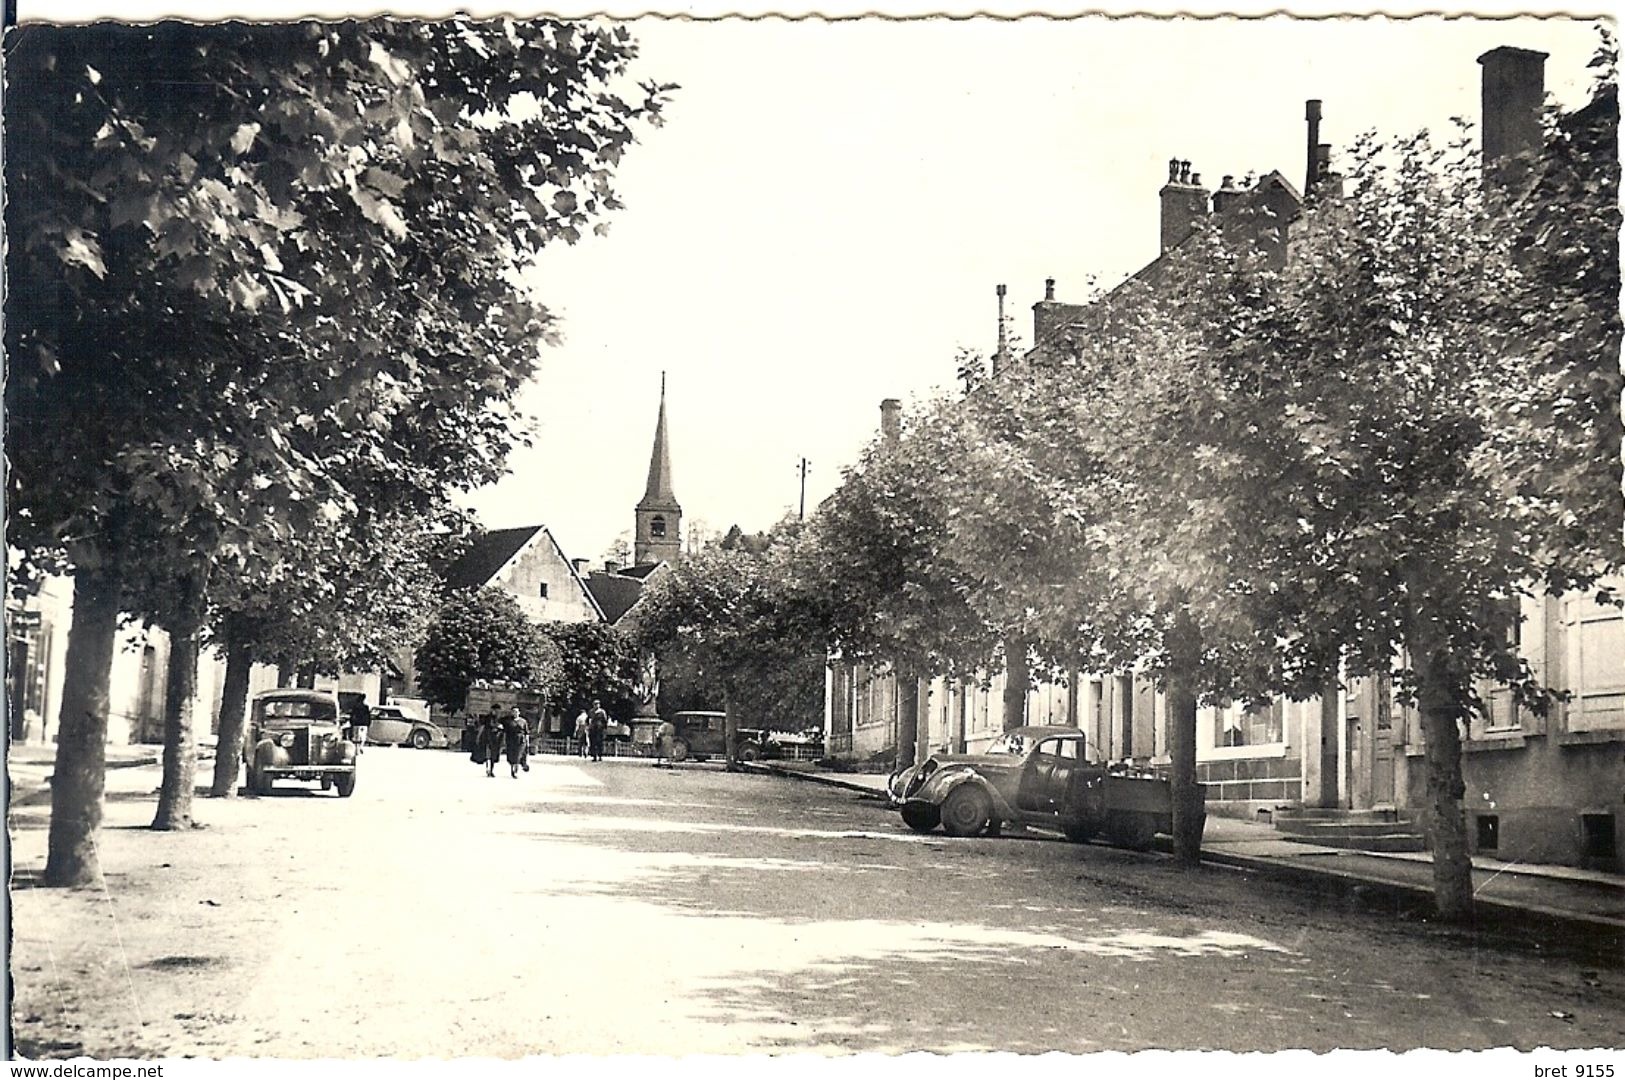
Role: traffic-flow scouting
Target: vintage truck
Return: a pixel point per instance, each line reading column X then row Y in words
column 1034, row 776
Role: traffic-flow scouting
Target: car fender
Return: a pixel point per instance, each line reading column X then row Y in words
column 946, row 779
column 268, row 753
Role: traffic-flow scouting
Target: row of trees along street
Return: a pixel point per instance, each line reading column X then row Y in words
column 1250, row 475
column 262, row 324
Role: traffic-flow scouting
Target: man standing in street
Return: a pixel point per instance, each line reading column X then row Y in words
column 597, row 722
column 360, row 721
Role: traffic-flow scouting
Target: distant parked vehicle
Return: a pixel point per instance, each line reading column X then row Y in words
column 298, row 735
column 699, row 735
column 756, row 744
column 394, row 726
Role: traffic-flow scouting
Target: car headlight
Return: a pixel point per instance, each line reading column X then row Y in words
column 285, row 740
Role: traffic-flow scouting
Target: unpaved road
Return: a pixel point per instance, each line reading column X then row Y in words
column 615, row 908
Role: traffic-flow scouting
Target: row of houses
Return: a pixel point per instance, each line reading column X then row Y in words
column 1540, row 789
column 526, row 562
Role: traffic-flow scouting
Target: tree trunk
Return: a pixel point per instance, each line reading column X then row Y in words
column 922, row 722
column 730, row 732
column 1442, row 701
column 1184, row 645
column 284, row 675
column 228, row 748
column 1017, row 681
column 80, row 774
column 180, row 736
column 908, row 716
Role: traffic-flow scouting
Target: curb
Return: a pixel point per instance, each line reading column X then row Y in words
column 815, row 778
column 1497, row 910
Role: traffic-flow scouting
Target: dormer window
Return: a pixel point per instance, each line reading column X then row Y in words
column 657, row 527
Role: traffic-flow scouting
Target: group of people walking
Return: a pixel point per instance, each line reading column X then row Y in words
column 496, row 735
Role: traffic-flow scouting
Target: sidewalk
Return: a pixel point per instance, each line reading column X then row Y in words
column 29, row 766
column 1580, row 900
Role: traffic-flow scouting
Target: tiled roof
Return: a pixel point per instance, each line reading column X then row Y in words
column 615, row 593
column 487, row 553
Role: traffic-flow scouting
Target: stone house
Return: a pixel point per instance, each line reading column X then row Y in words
column 1540, row 789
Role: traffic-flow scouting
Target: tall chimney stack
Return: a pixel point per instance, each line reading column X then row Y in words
column 1311, row 173
column 1004, row 341
column 891, row 420
column 1514, row 88
column 1184, row 201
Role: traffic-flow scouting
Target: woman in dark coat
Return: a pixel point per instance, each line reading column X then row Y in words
column 488, row 740
column 515, row 734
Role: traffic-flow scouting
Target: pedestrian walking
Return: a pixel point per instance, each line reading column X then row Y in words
column 515, row 734
column 664, row 734
column 488, row 739
column 597, row 724
column 360, row 721
column 581, row 733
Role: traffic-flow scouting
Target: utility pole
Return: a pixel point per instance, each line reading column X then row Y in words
column 801, row 514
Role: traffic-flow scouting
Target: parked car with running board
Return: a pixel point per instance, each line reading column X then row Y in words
column 1034, row 776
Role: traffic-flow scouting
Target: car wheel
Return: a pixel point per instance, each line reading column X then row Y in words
column 345, row 782
column 749, row 753
column 967, row 811
column 679, row 750
column 921, row 817
column 420, row 739
column 327, row 782
column 1134, row 831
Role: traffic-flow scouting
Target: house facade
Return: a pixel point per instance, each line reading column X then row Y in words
column 1547, row 789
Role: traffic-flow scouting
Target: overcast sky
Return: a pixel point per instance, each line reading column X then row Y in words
column 822, row 221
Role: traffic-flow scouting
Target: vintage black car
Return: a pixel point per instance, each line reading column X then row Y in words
column 1034, row 776
column 298, row 735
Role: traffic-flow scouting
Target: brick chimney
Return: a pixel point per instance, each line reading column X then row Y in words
column 1514, row 88
column 1311, row 168
column 1001, row 356
column 891, row 420
column 1184, row 201
column 579, row 565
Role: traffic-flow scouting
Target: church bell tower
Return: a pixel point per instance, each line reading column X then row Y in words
column 658, row 535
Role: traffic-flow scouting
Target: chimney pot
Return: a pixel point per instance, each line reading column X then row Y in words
column 1228, row 183
column 1184, row 172
column 1173, row 170
column 1049, row 288
column 612, row 566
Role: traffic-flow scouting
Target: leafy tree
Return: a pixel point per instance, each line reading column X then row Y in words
column 597, row 661
column 484, row 636
column 270, row 189
column 888, row 591
column 340, row 610
column 737, row 617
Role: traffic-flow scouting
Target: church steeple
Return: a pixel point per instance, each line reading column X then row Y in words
column 657, row 536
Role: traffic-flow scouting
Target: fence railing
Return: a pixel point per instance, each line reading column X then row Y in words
column 555, row 744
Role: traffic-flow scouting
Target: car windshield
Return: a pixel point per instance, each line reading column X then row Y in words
column 1009, row 743
column 297, row 709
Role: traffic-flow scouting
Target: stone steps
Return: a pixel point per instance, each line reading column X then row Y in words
column 1352, row 830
